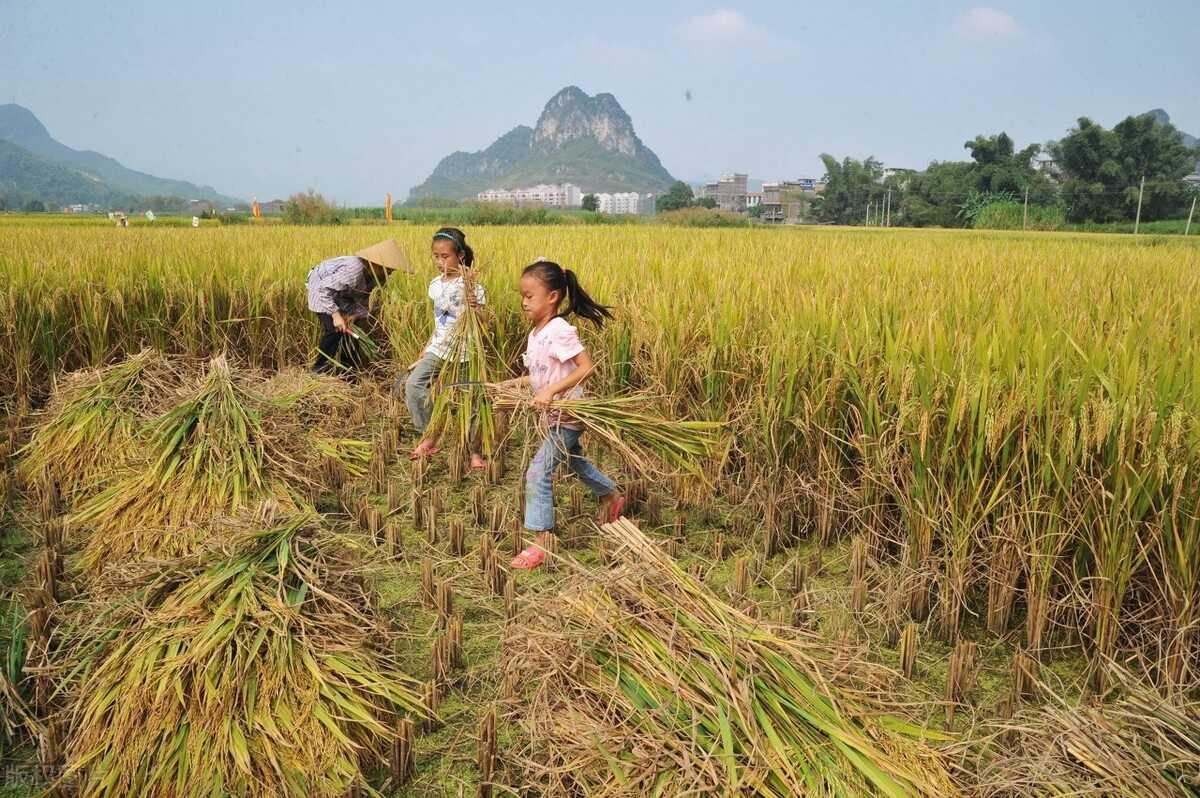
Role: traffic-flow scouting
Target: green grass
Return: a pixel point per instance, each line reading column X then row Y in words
column 1163, row 227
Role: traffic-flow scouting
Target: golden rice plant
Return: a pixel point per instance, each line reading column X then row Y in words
column 228, row 441
column 625, row 424
column 461, row 404
column 648, row 684
column 1004, row 348
column 92, row 422
column 255, row 668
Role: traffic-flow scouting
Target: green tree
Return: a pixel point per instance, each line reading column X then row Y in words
column 1000, row 168
column 433, row 201
column 849, row 186
column 679, row 195
column 755, row 211
column 706, row 202
column 591, row 202
column 932, row 198
column 1104, row 168
column 948, row 193
column 35, row 206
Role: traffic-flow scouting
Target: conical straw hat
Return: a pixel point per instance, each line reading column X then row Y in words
column 386, row 255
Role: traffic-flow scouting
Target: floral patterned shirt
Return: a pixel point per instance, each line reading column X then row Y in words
column 448, row 304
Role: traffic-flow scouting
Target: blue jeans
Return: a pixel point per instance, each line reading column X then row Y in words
column 561, row 446
column 416, row 390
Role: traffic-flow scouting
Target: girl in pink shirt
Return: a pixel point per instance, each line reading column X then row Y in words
column 557, row 364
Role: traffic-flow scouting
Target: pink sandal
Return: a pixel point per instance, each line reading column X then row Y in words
column 530, row 558
column 615, row 509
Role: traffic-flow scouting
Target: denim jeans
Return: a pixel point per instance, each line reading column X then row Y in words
column 416, row 390
column 561, row 446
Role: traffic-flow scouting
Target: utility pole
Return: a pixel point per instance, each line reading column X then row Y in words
column 1137, row 220
column 1191, row 213
column 1025, row 213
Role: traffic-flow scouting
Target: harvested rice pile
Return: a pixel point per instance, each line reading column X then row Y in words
column 92, row 421
column 1141, row 743
column 206, row 651
column 259, row 669
column 149, row 451
column 641, row 682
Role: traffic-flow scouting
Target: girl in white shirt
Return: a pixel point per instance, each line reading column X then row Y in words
column 452, row 254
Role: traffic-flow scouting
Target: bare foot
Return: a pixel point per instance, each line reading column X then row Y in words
column 477, row 462
column 424, row 449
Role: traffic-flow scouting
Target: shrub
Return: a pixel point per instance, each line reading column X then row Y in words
column 1009, row 215
column 310, row 208
column 702, row 217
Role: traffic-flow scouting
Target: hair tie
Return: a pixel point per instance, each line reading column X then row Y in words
column 441, row 234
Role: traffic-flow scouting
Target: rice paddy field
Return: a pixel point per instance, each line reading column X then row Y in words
column 947, row 541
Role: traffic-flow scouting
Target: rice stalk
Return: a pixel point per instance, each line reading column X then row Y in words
column 462, row 406
column 255, row 672
column 649, row 684
column 641, row 439
column 92, row 423
column 1138, row 743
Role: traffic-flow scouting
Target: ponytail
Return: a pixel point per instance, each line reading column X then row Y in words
column 564, row 281
column 459, row 239
column 581, row 304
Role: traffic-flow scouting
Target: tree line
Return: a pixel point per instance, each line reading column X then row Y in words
column 1093, row 175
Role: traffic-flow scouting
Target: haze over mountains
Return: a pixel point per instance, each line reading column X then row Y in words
column 578, row 138
column 33, row 162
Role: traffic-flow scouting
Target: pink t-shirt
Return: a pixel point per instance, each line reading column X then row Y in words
column 549, row 357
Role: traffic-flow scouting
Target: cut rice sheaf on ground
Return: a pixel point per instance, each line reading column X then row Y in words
column 256, row 669
column 642, row 682
column 230, row 441
column 1139, row 743
column 92, row 420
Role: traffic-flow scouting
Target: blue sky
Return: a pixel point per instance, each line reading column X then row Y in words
column 355, row 99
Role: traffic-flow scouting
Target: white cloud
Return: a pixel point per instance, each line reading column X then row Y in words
column 984, row 22
column 722, row 25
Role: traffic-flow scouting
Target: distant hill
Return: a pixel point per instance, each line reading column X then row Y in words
column 25, row 176
column 588, row 141
column 1188, row 140
column 19, row 126
column 1164, row 118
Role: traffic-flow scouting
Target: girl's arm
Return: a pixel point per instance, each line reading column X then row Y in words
column 515, row 382
column 584, row 365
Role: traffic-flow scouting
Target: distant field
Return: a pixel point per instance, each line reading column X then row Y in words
column 1006, row 424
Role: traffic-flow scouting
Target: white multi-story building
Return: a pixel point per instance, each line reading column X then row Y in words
column 626, row 202
column 557, row 195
